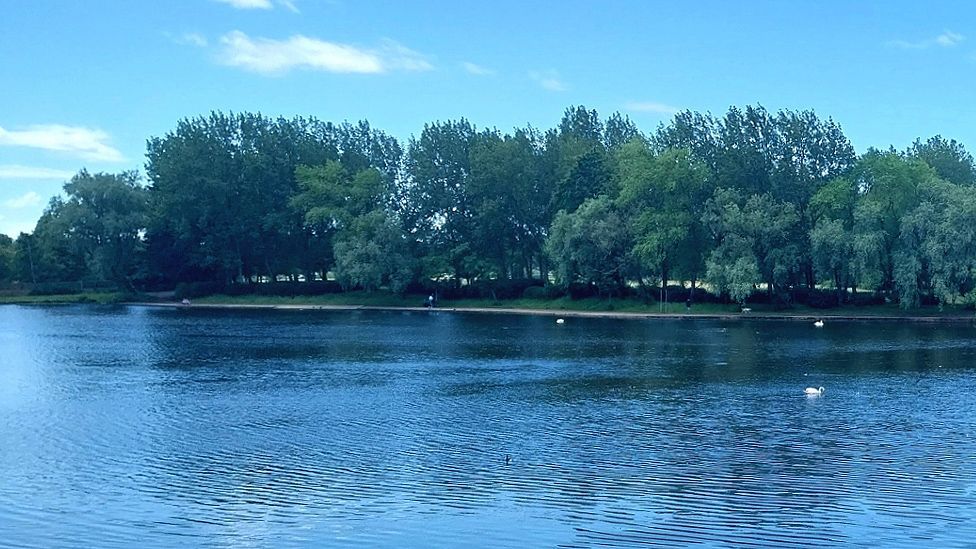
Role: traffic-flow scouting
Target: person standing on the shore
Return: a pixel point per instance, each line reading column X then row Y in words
column 430, row 301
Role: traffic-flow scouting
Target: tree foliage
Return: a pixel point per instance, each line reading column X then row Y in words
column 746, row 203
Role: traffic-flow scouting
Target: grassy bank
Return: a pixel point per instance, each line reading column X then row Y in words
column 87, row 297
column 589, row 305
column 623, row 307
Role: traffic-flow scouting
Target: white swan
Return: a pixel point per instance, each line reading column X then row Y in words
column 560, row 321
column 818, row 324
column 813, row 392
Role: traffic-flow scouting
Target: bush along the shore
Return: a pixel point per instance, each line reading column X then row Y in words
column 758, row 207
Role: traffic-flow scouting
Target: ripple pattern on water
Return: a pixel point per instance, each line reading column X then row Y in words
column 135, row 427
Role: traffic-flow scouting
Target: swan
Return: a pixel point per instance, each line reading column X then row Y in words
column 818, row 324
column 560, row 321
column 813, row 392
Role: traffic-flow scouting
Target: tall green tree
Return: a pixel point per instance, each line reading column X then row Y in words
column 888, row 185
column 949, row 158
column 7, row 254
column 509, row 214
column 103, row 219
column 437, row 208
column 752, row 237
column 592, row 245
column 220, row 186
column 578, row 161
column 663, row 198
column 372, row 251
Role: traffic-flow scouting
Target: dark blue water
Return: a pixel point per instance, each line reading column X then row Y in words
column 128, row 426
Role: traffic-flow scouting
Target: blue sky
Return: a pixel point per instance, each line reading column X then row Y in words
column 84, row 84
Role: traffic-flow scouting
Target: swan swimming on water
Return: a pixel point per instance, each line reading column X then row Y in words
column 818, row 324
column 560, row 321
column 813, row 391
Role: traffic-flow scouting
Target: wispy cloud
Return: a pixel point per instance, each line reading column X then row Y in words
column 86, row 143
column 477, row 70
column 25, row 201
column 248, row 4
column 260, row 4
column 549, row 80
column 16, row 171
column 276, row 57
column 651, row 107
column 188, row 39
column 947, row 39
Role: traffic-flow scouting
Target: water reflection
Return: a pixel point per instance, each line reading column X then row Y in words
column 125, row 426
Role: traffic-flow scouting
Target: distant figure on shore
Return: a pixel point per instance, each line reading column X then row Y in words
column 185, row 301
column 688, row 304
column 430, row 301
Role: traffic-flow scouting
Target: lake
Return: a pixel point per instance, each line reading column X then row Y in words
column 132, row 426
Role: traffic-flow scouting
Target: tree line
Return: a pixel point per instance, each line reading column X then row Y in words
column 748, row 205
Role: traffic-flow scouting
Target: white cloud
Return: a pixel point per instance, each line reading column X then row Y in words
column 89, row 144
column 651, row 107
column 191, row 39
column 260, row 4
column 947, row 39
column 549, row 80
column 396, row 56
column 275, row 57
column 25, row 201
column 289, row 5
column 477, row 70
column 248, row 4
column 16, row 171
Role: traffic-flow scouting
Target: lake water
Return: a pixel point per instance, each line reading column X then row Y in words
column 130, row 426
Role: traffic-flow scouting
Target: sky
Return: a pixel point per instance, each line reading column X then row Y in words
column 84, row 84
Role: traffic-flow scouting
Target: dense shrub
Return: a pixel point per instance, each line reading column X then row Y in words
column 56, row 288
column 578, row 290
column 189, row 290
column 862, row 299
column 535, row 292
column 293, row 289
column 816, row 298
column 681, row 294
column 507, row 289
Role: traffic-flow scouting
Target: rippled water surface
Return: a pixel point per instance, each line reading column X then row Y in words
column 128, row 426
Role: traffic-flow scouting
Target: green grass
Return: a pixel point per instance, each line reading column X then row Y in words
column 594, row 305
column 375, row 299
column 386, row 299
column 87, row 297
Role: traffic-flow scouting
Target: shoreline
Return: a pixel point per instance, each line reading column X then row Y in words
column 806, row 317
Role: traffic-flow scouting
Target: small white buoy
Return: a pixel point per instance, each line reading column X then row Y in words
column 560, row 321
column 813, row 391
column 818, row 324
